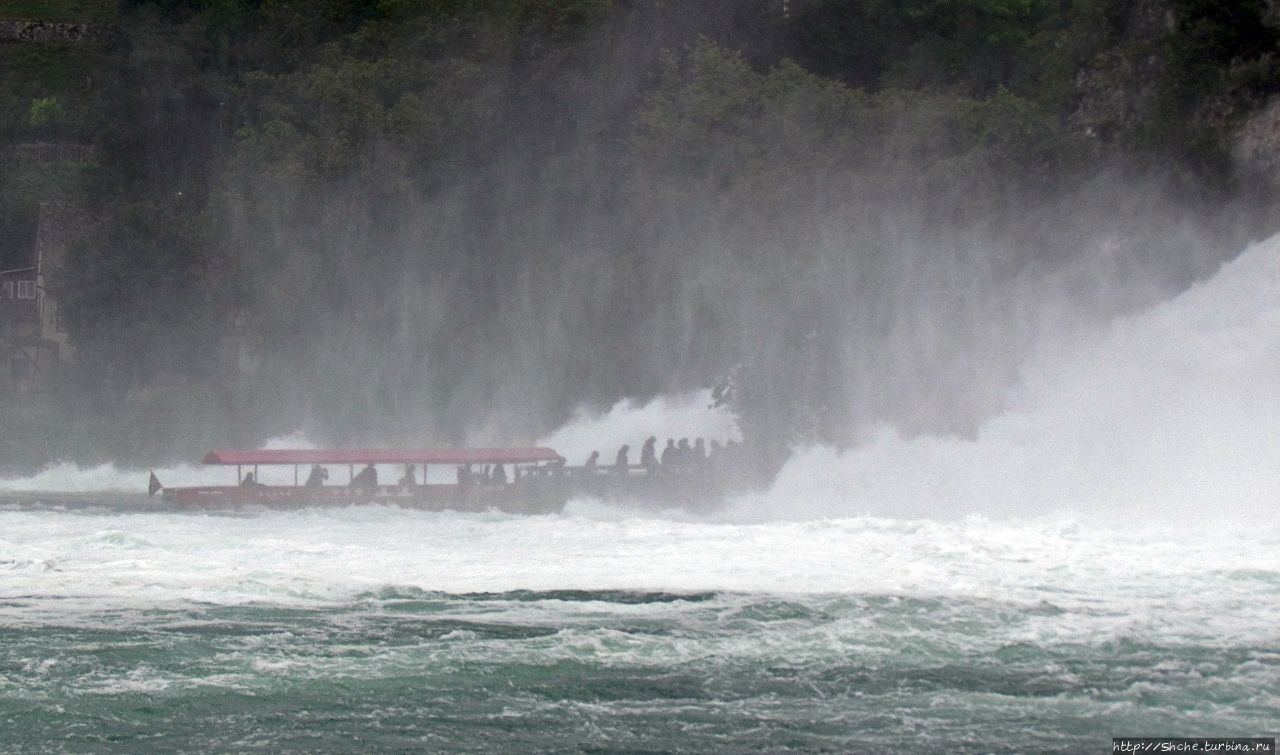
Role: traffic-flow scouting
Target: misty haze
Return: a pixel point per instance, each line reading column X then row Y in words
column 638, row 375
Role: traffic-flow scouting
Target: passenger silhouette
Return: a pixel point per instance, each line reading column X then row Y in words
column 317, row 477
column 716, row 451
column 669, row 455
column 367, row 479
column 620, row 463
column 649, row 455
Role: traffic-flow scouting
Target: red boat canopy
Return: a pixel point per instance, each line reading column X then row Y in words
column 385, row 456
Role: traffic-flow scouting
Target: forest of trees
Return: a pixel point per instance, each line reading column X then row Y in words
column 453, row 219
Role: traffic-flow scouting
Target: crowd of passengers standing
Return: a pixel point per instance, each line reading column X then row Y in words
column 677, row 456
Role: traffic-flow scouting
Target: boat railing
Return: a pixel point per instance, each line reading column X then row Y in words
column 632, row 470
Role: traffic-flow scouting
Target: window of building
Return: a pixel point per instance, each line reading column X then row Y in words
column 58, row 323
column 6, row 291
column 26, row 289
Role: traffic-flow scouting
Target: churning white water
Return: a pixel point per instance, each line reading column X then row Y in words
column 1171, row 414
column 1182, row 587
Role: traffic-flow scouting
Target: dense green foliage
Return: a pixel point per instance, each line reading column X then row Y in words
column 430, row 209
column 57, row 90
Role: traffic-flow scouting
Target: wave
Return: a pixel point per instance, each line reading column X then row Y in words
column 1170, row 413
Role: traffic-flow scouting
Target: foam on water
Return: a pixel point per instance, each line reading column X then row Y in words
column 1193, row 587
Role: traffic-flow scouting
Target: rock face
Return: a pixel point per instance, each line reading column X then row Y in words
column 1272, row 13
column 1115, row 87
column 1150, row 19
column 1257, row 144
column 24, row 30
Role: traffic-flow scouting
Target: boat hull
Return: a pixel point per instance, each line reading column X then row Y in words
column 541, row 494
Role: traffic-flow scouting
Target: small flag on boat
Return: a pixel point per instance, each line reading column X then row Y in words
column 154, row 485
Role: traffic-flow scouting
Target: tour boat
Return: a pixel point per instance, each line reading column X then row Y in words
column 528, row 480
